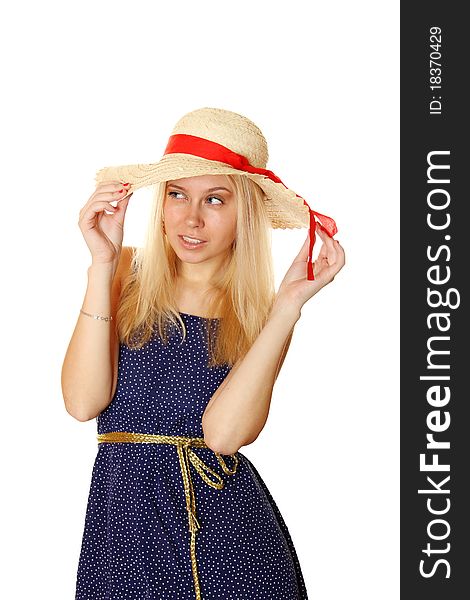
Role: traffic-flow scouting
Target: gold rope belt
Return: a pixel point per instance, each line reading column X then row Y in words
column 185, row 455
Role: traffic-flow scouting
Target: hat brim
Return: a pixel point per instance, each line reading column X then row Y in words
column 286, row 210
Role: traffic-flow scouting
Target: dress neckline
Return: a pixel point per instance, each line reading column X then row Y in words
column 199, row 317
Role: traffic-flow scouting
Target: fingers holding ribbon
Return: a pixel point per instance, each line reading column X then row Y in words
column 330, row 259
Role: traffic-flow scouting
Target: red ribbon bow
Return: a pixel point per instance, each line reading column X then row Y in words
column 191, row 144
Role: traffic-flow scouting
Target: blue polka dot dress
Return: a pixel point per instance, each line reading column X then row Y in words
column 136, row 539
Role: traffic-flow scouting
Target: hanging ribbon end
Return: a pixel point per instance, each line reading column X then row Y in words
column 310, row 275
column 312, row 236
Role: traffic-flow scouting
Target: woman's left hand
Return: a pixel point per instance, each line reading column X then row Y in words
column 295, row 288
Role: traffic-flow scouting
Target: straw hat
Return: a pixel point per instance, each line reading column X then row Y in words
column 214, row 141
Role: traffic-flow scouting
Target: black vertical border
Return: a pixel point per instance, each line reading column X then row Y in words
column 421, row 133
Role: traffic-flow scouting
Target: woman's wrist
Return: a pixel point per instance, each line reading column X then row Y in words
column 98, row 269
column 285, row 310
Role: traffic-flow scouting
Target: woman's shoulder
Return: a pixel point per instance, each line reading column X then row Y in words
column 124, row 265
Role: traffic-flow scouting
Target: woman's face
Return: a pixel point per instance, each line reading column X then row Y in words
column 203, row 208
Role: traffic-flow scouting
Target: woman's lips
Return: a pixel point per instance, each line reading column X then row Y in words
column 190, row 245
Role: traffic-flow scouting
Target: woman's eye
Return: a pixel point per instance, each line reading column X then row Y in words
column 216, row 198
column 175, row 194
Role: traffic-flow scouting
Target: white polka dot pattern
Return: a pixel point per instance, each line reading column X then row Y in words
column 136, row 540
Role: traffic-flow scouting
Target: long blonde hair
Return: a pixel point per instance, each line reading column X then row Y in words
column 242, row 294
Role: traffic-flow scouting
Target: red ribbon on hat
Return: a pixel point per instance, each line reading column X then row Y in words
column 197, row 146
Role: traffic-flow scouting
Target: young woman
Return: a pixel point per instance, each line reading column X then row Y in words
column 176, row 352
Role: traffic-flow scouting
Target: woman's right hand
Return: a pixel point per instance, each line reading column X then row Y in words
column 104, row 232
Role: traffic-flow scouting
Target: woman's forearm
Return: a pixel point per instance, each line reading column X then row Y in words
column 238, row 411
column 87, row 371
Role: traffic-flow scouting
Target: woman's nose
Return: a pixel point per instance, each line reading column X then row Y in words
column 193, row 215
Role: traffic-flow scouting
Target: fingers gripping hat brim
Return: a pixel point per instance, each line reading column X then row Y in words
column 286, row 210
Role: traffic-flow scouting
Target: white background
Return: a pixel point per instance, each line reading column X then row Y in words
column 92, row 84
